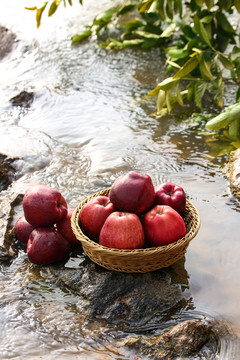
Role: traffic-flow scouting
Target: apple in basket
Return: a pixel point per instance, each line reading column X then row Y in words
column 132, row 192
column 172, row 195
column 22, row 230
column 65, row 229
column 46, row 246
column 163, row 225
column 44, row 206
column 122, row 230
column 94, row 214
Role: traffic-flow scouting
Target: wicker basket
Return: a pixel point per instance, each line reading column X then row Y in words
column 140, row 260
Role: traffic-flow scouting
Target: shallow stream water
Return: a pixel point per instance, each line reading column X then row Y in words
column 90, row 122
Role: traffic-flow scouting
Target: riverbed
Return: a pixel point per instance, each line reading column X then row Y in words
column 89, row 123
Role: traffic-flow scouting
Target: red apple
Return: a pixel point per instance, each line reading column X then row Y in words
column 163, row 225
column 44, row 206
column 65, row 229
column 122, row 230
column 46, row 246
column 132, row 192
column 94, row 214
column 22, row 230
column 172, row 195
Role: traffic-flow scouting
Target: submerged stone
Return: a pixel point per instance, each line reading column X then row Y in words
column 232, row 170
column 7, row 39
column 24, row 98
column 7, row 171
column 183, row 339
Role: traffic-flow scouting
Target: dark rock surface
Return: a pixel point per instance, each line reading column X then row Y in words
column 183, row 339
column 24, row 98
column 129, row 301
column 7, row 171
column 7, row 39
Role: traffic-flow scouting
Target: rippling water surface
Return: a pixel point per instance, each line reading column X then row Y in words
column 89, row 122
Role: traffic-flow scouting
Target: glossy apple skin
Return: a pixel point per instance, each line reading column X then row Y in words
column 122, row 230
column 163, row 225
column 94, row 214
column 65, row 229
column 132, row 192
column 172, row 195
column 46, row 246
column 44, row 206
column 22, row 230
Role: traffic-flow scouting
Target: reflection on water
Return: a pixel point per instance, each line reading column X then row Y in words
column 89, row 122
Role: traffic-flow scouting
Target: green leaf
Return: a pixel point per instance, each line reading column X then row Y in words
column 177, row 53
column 225, row 118
column 223, row 23
column 133, row 25
column 70, row 2
column 145, row 5
column 227, row 63
column 199, row 91
column 39, row 13
column 187, row 68
column 168, row 100
column 178, row 7
column 169, row 31
column 81, row 36
column 238, row 94
column 179, row 95
column 173, row 64
column 225, row 4
column 209, row 4
column 235, row 54
column 125, row 9
column 237, row 5
column 167, row 84
column 146, row 34
column 199, row 27
column 169, row 9
column 161, row 100
column 233, row 129
column 161, row 10
column 205, row 70
column 32, row 8
column 104, row 17
column 53, row 8
column 218, row 98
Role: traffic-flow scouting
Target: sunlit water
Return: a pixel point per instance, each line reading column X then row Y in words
column 89, row 123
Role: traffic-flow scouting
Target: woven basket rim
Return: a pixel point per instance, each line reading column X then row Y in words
column 86, row 241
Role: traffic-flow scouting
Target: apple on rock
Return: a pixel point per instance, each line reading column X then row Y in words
column 163, row 225
column 44, row 206
column 94, row 214
column 132, row 192
column 46, row 246
column 22, row 230
column 122, row 230
column 171, row 194
column 65, row 229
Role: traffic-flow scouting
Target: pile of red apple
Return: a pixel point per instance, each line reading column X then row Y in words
column 135, row 214
column 45, row 227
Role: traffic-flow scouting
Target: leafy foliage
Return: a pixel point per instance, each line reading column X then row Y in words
column 200, row 44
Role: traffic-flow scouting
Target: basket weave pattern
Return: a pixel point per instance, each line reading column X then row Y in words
column 139, row 260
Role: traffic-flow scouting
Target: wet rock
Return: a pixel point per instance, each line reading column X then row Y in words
column 129, row 301
column 24, row 98
column 183, row 339
column 232, row 170
column 7, row 171
column 7, row 39
column 8, row 209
